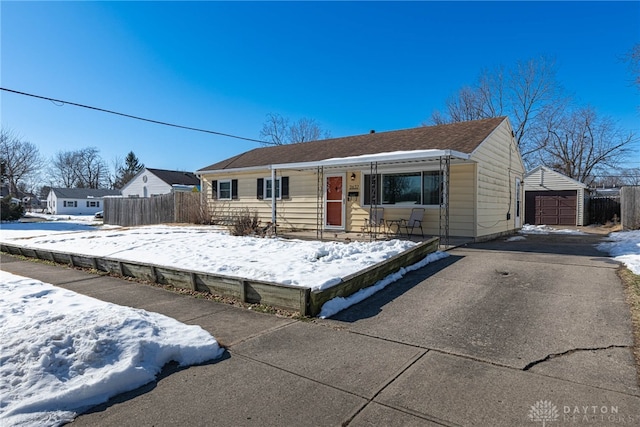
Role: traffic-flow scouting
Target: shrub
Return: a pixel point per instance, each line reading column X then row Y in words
column 246, row 223
column 10, row 211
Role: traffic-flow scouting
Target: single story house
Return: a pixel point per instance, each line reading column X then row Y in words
column 463, row 179
column 29, row 201
column 552, row 198
column 77, row 201
column 152, row 182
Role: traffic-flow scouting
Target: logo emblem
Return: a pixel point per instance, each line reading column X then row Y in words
column 543, row 411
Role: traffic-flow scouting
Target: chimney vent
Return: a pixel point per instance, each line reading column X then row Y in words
column 372, row 131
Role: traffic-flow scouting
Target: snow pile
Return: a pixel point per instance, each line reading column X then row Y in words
column 62, row 352
column 545, row 229
column 624, row 246
column 309, row 264
column 338, row 304
column 515, row 238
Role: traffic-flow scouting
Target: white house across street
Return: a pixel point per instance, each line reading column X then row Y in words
column 77, row 201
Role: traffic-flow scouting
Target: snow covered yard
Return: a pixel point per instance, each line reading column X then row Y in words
column 624, row 246
column 310, row 264
column 62, row 352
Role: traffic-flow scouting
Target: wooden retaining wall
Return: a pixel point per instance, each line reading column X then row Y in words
column 368, row 277
column 250, row 291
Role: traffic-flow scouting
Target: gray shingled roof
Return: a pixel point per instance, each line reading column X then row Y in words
column 463, row 137
column 84, row 193
column 175, row 177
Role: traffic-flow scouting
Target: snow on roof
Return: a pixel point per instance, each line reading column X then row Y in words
column 386, row 158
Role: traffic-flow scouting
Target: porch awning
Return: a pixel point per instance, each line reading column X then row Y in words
column 390, row 158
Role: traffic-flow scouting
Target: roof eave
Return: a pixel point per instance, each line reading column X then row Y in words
column 201, row 172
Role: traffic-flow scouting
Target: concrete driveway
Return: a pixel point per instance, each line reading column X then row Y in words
column 519, row 333
column 506, row 325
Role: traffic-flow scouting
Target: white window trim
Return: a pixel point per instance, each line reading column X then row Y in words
column 279, row 192
column 220, row 182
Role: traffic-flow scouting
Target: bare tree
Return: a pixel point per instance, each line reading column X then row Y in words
column 82, row 168
column 92, row 171
column 582, row 144
column 526, row 93
column 278, row 130
column 633, row 59
column 20, row 159
column 631, row 176
column 63, row 169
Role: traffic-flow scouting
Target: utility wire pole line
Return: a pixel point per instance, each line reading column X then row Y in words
column 135, row 117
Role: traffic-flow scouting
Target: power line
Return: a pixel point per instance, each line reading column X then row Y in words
column 61, row 103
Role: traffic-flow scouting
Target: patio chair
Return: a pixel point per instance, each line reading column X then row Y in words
column 375, row 220
column 414, row 221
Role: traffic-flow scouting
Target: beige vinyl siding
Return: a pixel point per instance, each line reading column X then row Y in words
column 498, row 166
column 544, row 179
column 296, row 212
column 462, row 200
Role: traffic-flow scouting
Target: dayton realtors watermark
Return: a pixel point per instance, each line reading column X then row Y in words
column 545, row 412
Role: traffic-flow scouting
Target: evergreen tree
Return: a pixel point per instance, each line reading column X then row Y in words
column 125, row 173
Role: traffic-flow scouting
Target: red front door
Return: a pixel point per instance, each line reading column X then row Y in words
column 334, row 206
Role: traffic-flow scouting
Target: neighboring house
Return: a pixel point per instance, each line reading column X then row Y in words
column 29, row 201
column 333, row 184
column 552, row 198
column 152, row 182
column 77, row 201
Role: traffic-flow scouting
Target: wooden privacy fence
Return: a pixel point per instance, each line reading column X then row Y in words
column 603, row 209
column 177, row 207
column 630, row 207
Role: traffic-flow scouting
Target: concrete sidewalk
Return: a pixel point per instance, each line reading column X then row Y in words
column 475, row 339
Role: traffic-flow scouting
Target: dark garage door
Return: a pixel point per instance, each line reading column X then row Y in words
column 551, row 207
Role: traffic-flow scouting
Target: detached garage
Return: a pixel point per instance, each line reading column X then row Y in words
column 552, row 198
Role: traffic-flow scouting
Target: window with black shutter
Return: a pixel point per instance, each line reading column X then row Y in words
column 214, row 190
column 234, row 189
column 285, row 187
column 260, row 188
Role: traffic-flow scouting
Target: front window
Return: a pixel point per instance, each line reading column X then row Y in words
column 268, row 186
column 224, row 190
column 412, row 188
column 403, row 188
column 431, row 188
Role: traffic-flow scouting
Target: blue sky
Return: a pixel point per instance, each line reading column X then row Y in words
column 223, row 66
